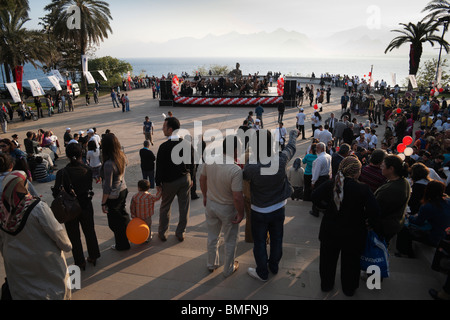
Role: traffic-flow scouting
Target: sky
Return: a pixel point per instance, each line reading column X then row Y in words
column 160, row 21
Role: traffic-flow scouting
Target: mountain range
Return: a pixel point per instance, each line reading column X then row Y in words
column 359, row 41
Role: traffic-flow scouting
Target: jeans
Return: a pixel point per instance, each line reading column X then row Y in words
column 150, row 176
column 49, row 178
column 272, row 223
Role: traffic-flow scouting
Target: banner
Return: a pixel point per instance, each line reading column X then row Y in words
column 90, row 79
column 69, row 87
column 58, row 75
column 36, row 88
column 55, row 82
column 103, row 75
column 413, row 80
column 84, row 62
column 12, row 88
column 394, row 79
column 18, row 71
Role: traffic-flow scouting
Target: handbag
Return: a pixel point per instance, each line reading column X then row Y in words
column 375, row 253
column 66, row 206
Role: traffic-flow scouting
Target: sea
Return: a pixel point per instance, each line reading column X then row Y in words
column 392, row 69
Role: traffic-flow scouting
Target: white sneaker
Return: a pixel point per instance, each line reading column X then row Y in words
column 252, row 273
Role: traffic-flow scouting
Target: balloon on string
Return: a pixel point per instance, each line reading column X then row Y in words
column 409, row 152
column 441, row 90
column 401, row 148
column 402, row 156
column 399, row 110
column 316, row 107
column 407, row 140
column 137, row 231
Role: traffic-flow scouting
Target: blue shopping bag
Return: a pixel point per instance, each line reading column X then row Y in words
column 375, row 254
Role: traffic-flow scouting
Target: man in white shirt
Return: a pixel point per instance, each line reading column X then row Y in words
column 446, row 125
column 301, row 122
column 317, row 132
column 325, row 135
column 321, row 171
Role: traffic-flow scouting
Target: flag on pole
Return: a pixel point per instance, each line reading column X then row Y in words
column 413, row 80
column 55, row 82
column 90, row 79
column 84, row 61
column 36, row 88
column 103, row 75
column 14, row 91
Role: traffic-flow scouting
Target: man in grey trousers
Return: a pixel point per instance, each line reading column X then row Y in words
column 175, row 179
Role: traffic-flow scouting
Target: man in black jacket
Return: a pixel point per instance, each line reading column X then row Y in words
column 175, row 177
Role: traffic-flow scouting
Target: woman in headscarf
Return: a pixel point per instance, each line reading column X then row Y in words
column 350, row 207
column 32, row 243
column 296, row 179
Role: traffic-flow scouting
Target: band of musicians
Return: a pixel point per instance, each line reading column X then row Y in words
column 254, row 85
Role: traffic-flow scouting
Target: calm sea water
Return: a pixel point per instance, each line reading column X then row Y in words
column 383, row 67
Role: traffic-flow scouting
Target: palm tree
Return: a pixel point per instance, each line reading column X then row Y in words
column 417, row 35
column 18, row 45
column 438, row 9
column 95, row 22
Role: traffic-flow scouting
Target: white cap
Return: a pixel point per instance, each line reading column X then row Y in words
column 257, row 120
column 302, row 109
column 81, row 132
column 362, row 131
column 68, row 129
column 90, row 131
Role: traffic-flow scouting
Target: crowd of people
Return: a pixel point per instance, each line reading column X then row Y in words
column 354, row 178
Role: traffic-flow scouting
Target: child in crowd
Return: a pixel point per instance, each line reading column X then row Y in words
column 143, row 204
column 93, row 160
column 41, row 174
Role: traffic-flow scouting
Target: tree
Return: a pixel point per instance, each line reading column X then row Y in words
column 438, row 9
column 417, row 35
column 94, row 18
column 112, row 67
column 427, row 73
column 18, row 45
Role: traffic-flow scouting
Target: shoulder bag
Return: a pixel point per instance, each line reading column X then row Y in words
column 66, row 206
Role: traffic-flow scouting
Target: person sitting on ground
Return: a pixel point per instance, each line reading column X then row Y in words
column 429, row 225
column 40, row 173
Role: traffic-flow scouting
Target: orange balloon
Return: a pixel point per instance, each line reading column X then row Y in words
column 137, row 231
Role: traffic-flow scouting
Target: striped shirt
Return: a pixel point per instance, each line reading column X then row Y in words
column 143, row 204
column 372, row 176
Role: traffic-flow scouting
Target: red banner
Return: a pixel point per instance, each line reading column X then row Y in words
column 18, row 72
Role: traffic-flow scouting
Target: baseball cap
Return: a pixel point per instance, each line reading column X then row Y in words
column 90, row 131
column 81, row 132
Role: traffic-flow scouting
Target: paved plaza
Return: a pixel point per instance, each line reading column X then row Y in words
column 177, row 271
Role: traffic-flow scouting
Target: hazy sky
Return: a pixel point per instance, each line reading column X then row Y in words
column 158, row 21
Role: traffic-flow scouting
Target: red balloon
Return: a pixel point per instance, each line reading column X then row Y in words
column 399, row 110
column 407, row 140
column 316, row 107
column 401, row 148
column 441, row 90
column 432, row 92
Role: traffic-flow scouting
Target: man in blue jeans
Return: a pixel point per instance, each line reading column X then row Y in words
column 269, row 194
column 114, row 99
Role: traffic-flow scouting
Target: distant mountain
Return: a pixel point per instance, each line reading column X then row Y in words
column 279, row 43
